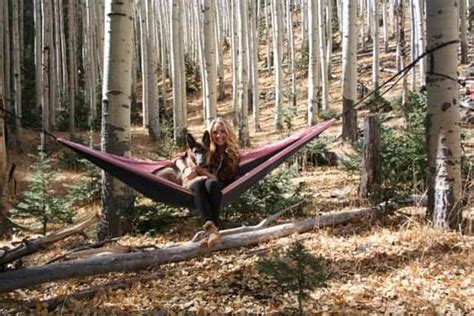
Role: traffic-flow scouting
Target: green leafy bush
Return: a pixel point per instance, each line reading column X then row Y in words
column 270, row 195
column 39, row 202
column 295, row 271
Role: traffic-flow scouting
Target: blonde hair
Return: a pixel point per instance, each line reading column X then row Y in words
column 232, row 147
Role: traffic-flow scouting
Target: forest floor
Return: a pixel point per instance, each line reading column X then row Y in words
column 396, row 264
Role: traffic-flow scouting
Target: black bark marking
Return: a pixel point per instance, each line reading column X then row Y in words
column 445, row 106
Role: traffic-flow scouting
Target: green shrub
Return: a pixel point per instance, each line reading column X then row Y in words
column 295, row 271
column 87, row 190
column 39, row 202
column 270, row 195
column 328, row 114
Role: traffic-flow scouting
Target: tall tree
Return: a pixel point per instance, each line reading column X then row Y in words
column 45, row 71
column 375, row 48
column 442, row 120
column 243, row 74
column 3, row 148
column 277, row 27
column 253, row 64
column 463, row 31
column 17, row 76
column 117, row 198
column 349, row 70
column 210, row 70
column 178, row 71
column 72, row 62
column 313, row 71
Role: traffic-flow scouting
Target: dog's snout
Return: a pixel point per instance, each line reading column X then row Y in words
column 200, row 161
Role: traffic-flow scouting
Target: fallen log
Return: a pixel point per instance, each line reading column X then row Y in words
column 28, row 247
column 136, row 261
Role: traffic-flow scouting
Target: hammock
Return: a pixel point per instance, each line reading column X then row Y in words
column 254, row 165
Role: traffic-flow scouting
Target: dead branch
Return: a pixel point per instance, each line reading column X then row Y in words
column 264, row 223
column 136, row 261
column 28, row 247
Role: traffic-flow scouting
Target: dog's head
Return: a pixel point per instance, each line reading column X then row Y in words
column 199, row 152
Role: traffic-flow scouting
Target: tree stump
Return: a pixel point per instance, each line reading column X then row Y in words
column 371, row 176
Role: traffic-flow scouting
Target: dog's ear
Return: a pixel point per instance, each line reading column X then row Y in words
column 190, row 140
column 206, row 139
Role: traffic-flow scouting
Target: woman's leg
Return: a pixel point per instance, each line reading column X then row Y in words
column 214, row 194
column 201, row 200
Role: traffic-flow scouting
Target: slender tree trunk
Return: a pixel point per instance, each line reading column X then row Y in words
column 45, row 72
column 375, row 48
column 420, row 34
column 442, row 121
column 210, row 62
column 17, row 77
column 291, row 47
column 38, row 53
column 117, row 198
column 322, row 59
column 4, row 205
column 313, row 71
column 218, row 17
column 463, row 31
column 235, row 63
column 385, row 26
column 243, row 74
column 179, row 85
column 277, row 28
column 349, row 71
column 72, row 61
column 253, row 58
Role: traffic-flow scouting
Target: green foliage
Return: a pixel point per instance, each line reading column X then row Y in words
column 81, row 113
column 316, row 153
column 39, row 201
column 270, row 195
column 193, row 74
column 376, row 103
column 296, row 271
column 404, row 154
column 328, row 114
column 154, row 219
column 87, row 190
column 302, row 64
column 69, row 160
column 289, row 113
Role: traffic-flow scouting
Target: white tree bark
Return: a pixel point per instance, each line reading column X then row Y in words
column 45, row 71
column 243, row 73
column 376, row 47
column 253, row 64
column 443, row 131
column 420, row 34
column 322, row 57
column 117, row 198
column 179, row 75
column 218, row 18
column 277, row 27
column 349, row 71
column 313, row 71
column 291, row 47
column 210, row 70
column 234, row 42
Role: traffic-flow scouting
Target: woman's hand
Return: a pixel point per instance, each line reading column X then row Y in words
column 190, row 173
column 203, row 172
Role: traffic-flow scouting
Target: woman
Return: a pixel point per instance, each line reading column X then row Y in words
column 222, row 169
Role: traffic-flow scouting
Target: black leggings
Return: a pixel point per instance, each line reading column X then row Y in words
column 208, row 198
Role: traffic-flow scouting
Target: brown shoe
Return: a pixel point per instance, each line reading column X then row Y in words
column 214, row 234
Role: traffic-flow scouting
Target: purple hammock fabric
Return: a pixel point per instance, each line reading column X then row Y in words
column 255, row 163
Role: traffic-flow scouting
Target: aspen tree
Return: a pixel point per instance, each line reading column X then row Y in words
column 218, row 17
column 253, row 65
column 385, row 26
column 45, row 71
column 463, row 31
column 117, row 198
column 291, row 47
column 209, row 62
column 17, row 77
column 234, row 45
column 375, row 47
column 72, row 61
column 349, row 71
column 322, row 59
column 277, row 60
column 243, row 73
column 420, row 37
column 3, row 148
column 313, row 71
column 179, row 74
column 443, row 130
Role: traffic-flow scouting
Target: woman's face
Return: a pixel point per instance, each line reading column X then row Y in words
column 219, row 134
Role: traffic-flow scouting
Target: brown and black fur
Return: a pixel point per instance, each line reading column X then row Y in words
column 196, row 154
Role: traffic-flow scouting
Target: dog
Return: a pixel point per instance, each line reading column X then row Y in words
column 197, row 154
